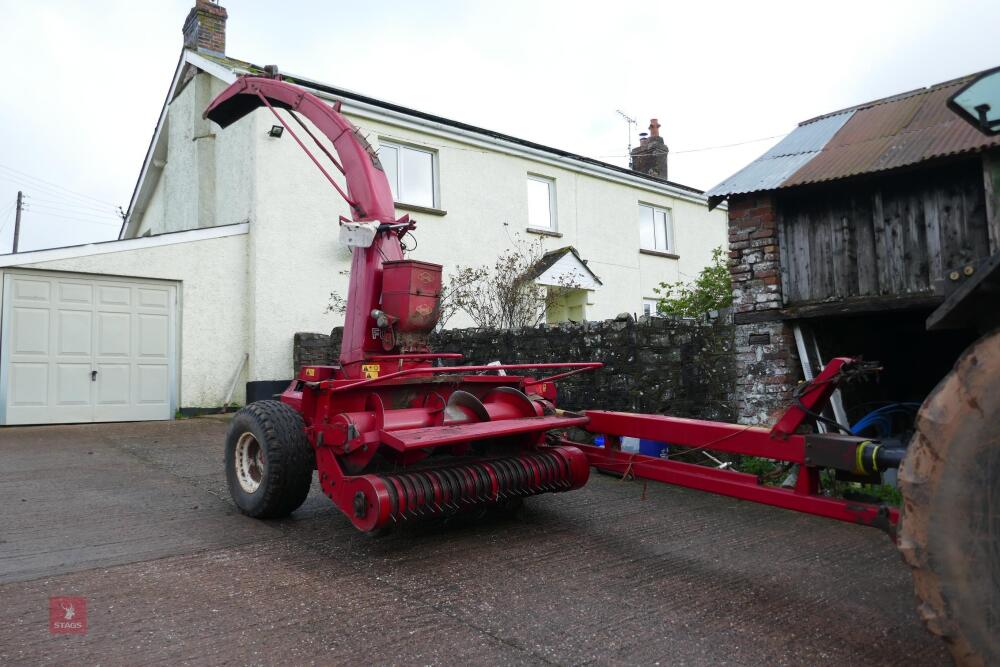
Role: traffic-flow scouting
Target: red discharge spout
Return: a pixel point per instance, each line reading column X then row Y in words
column 368, row 193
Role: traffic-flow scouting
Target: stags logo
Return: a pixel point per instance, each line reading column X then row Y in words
column 68, row 615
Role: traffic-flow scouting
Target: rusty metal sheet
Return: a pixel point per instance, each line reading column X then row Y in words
column 896, row 132
column 890, row 133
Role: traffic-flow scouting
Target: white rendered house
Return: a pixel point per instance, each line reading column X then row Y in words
column 198, row 301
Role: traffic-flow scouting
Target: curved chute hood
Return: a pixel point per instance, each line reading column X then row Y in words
column 367, row 185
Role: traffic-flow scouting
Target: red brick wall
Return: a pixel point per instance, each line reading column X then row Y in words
column 767, row 365
column 753, row 254
column 205, row 27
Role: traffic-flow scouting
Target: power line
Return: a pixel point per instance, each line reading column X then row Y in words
column 70, row 202
column 46, row 208
column 47, row 190
column 7, row 214
column 93, row 222
column 712, row 148
column 54, row 185
column 54, row 188
column 68, row 215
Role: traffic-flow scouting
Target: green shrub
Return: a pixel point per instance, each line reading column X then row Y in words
column 711, row 290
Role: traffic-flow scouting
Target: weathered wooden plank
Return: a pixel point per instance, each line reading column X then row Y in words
column 991, row 190
column 974, row 210
column 820, row 248
column 861, row 305
column 785, row 257
column 800, row 260
column 891, row 236
column 854, row 306
column 803, row 255
column 898, row 230
column 914, row 244
column 864, row 235
column 973, row 302
column 882, row 251
column 932, row 229
column 845, row 228
column 953, row 252
column 846, row 225
column 838, row 254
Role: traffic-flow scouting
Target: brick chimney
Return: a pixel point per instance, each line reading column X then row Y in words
column 650, row 156
column 205, row 27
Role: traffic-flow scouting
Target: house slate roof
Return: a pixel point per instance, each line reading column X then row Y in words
column 549, row 259
column 226, row 67
column 244, row 67
column 890, row 133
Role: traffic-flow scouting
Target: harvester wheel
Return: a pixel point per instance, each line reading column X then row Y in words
column 269, row 462
column 950, row 527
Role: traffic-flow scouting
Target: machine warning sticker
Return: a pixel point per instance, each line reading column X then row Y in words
column 310, row 372
column 370, row 370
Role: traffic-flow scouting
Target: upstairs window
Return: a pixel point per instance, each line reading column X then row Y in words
column 541, row 202
column 656, row 230
column 649, row 307
column 410, row 172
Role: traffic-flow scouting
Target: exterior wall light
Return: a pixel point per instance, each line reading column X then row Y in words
column 276, row 131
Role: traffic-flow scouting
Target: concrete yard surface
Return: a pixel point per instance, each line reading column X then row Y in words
column 136, row 519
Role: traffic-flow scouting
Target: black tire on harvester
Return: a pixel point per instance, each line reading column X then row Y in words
column 269, row 462
column 950, row 526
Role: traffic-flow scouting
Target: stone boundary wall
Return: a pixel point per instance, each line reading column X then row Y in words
column 660, row 365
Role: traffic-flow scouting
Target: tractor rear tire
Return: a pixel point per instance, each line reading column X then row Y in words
column 269, row 461
column 950, row 525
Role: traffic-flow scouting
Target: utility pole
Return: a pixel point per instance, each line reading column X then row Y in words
column 17, row 219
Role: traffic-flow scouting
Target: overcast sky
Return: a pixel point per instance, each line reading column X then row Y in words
column 84, row 81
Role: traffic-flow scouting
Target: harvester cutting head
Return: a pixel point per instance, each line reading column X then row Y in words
column 393, row 435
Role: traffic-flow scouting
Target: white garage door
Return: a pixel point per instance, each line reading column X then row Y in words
column 84, row 349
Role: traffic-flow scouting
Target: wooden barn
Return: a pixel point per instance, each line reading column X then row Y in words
column 846, row 236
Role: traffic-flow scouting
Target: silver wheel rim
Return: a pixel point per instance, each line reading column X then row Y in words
column 249, row 463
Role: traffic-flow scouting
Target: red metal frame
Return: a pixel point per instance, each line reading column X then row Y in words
column 805, row 497
column 429, row 440
column 780, row 443
column 578, row 367
column 736, row 485
column 368, row 194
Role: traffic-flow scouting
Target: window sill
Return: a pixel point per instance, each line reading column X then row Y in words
column 543, row 232
column 420, row 209
column 658, row 253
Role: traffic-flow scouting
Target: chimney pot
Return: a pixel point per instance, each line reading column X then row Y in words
column 205, row 27
column 650, row 157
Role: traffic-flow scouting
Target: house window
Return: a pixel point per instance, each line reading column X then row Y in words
column 410, row 172
column 649, row 307
column 541, row 202
column 656, row 232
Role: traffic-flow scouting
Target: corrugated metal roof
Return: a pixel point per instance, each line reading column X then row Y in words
column 893, row 132
column 787, row 157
